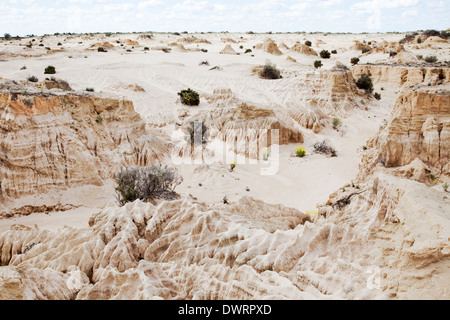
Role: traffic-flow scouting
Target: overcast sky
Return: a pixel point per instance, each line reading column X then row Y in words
column 22, row 17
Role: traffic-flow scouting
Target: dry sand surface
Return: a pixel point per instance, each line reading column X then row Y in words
column 141, row 71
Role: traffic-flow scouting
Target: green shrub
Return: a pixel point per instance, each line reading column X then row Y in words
column 101, row 49
column 300, row 152
column 377, row 96
column 189, row 97
column 146, row 183
column 336, row 123
column 364, row 82
column 318, row 64
column 33, row 79
column 325, row 54
column 431, row 59
column 50, row 70
column 270, row 71
column 308, row 43
column 334, row 52
column 248, row 51
column 392, row 54
column 99, row 119
column 146, row 48
column 7, row 36
column 354, row 60
column 365, row 50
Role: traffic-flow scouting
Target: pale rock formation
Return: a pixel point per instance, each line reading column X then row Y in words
column 57, row 141
column 269, row 46
column 304, row 49
column 228, row 50
column 359, row 46
column 402, row 76
column 418, row 130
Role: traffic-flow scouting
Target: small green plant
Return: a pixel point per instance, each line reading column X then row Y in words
column 225, row 200
column 431, row 59
column 232, row 165
column 200, row 184
column 336, row 123
column 33, row 79
column 189, row 97
column 90, row 89
column 354, row 60
column 50, row 70
column 445, row 187
column 248, row 51
column 99, row 119
column 364, row 82
column 247, row 189
column 325, row 54
column 146, row 48
column 334, row 52
column 308, row 43
column 318, row 64
column 377, row 96
column 241, row 47
column 265, row 153
column 300, row 152
column 270, row 71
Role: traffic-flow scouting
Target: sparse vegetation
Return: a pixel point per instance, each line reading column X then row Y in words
column 7, row 36
column 232, row 165
column 325, row 54
column 225, row 200
column 101, row 49
column 364, row 82
column 189, row 97
column 365, row 50
column 392, row 54
column 334, row 52
column 445, row 187
column 377, row 96
column 146, row 183
column 318, row 64
column 336, row 123
column 300, row 152
column 90, row 89
column 323, row 147
column 431, row 59
column 146, row 48
column 99, row 119
column 308, row 43
column 354, row 60
column 248, row 51
column 50, row 70
column 33, row 79
column 270, row 71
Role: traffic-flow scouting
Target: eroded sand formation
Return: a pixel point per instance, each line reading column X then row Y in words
column 383, row 234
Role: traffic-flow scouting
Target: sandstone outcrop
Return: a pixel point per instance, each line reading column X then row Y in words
column 228, row 50
column 269, row 46
column 402, row 76
column 419, row 131
column 304, row 49
column 52, row 141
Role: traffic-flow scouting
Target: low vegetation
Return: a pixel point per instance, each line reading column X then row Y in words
column 354, row 60
column 323, row 147
column 318, row 64
column 364, row 82
column 50, row 70
column 325, row 54
column 189, row 97
column 431, row 59
column 146, row 183
column 270, row 71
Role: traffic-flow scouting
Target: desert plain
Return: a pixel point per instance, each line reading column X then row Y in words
column 370, row 220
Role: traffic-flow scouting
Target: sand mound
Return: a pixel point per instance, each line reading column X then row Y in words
column 304, row 49
column 228, row 50
column 269, row 46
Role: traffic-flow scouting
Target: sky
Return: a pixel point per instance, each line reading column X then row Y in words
column 38, row 17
